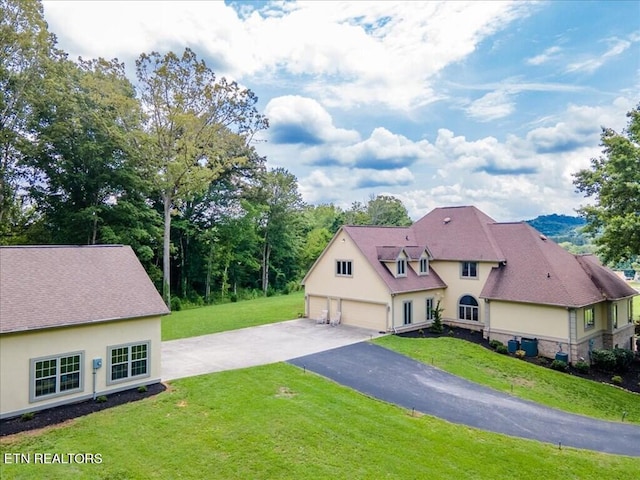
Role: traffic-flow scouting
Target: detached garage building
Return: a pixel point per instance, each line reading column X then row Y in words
column 75, row 322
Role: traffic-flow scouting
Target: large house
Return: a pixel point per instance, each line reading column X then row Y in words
column 505, row 279
column 75, row 323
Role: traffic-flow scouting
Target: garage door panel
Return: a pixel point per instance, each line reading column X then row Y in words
column 316, row 305
column 365, row 315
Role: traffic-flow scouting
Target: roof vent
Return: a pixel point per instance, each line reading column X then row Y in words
column 543, row 237
column 446, row 220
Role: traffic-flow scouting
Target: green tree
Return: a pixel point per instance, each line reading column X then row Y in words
column 280, row 226
column 384, row 210
column 613, row 181
column 25, row 46
column 198, row 128
column 89, row 183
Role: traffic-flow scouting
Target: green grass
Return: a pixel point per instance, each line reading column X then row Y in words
column 231, row 316
column 522, row 379
column 277, row 422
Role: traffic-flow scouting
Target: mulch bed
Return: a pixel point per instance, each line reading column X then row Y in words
column 630, row 378
column 56, row 415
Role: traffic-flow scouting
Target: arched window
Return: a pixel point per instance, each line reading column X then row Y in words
column 468, row 308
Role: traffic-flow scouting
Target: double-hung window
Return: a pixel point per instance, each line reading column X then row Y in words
column 630, row 311
column 614, row 315
column 57, row 375
column 429, row 309
column 589, row 318
column 128, row 361
column 344, row 268
column 469, row 269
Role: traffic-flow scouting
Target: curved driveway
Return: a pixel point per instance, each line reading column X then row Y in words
column 394, row 378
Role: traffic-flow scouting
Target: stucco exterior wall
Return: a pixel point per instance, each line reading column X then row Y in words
column 364, row 284
column 530, row 320
column 18, row 349
column 458, row 286
column 419, row 307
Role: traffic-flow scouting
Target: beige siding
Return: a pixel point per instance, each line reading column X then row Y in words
column 457, row 286
column 530, row 320
column 364, row 284
column 365, row 315
column 17, row 350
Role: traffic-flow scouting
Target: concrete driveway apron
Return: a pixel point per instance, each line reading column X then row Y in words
column 395, row 378
column 253, row 346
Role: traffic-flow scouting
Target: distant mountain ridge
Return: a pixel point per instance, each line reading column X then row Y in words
column 560, row 228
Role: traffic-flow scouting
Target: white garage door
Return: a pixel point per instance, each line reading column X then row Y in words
column 316, row 305
column 365, row 315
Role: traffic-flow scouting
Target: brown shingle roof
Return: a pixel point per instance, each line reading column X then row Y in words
column 55, row 286
column 369, row 239
column 538, row 270
column 458, row 233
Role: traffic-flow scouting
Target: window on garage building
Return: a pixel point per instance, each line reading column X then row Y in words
column 57, row 375
column 344, row 268
column 128, row 361
column 468, row 308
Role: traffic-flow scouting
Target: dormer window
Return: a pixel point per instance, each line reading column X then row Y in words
column 424, row 266
column 469, row 270
column 401, row 267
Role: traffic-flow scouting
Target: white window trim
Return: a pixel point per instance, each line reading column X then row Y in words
column 407, row 304
column 129, row 377
column 462, row 269
column 346, row 262
column 401, row 264
column 426, row 271
column 429, row 315
column 58, row 393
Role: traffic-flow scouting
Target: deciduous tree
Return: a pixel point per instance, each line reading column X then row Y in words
column 613, row 181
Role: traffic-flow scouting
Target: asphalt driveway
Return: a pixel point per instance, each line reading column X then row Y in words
column 394, row 378
column 253, row 346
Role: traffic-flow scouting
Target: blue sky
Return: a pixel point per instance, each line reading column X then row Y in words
column 490, row 104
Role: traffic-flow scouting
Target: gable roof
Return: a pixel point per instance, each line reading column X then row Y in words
column 458, row 233
column 57, row 286
column 540, row 271
column 372, row 241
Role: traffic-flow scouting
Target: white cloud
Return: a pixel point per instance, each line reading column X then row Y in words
column 616, row 47
column 491, row 106
column 355, row 53
column 548, row 55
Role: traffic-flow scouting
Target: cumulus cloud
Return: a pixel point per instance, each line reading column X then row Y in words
column 354, row 53
column 296, row 119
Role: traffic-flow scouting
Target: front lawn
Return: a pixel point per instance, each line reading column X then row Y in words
column 231, row 316
column 522, row 379
column 277, row 421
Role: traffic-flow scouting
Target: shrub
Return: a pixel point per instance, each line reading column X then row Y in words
column 176, row 304
column 25, row 417
column 559, row 365
column 101, row 399
column 603, row 360
column 436, row 326
column 495, row 344
column 142, row 388
column 616, row 379
column 521, row 353
column 612, row 360
column 502, row 349
column 581, row 366
column 233, row 297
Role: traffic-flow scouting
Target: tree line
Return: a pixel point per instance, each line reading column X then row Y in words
column 167, row 165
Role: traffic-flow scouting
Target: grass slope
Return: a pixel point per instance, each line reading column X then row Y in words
column 522, row 379
column 231, row 316
column 278, row 422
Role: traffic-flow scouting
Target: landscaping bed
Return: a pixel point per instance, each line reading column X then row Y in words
column 56, row 415
column 630, row 379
